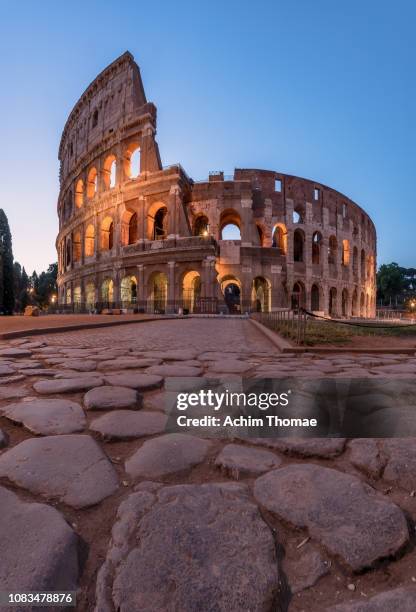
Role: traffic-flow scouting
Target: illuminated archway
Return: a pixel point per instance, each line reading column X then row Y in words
column 158, row 292
column 128, row 291
column 261, row 294
column 191, row 289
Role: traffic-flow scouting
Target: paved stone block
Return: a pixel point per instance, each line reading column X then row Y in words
column 39, row 550
column 69, row 385
column 112, row 398
column 135, row 380
column 194, row 537
column 402, row 599
column 47, row 416
column 174, row 370
column 15, row 353
column 239, row 460
column 72, row 469
column 346, row 516
column 128, row 424
column 167, row 455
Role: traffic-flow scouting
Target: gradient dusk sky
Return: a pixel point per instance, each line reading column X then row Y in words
column 321, row 89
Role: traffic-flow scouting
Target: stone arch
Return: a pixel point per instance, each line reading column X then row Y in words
column 298, row 297
column 231, row 289
column 110, row 171
column 298, row 245
column 89, row 241
column 261, row 294
column 128, row 291
column 92, row 182
column 158, row 292
column 261, row 234
column 332, row 250
column 362, row 265
column 345, row 252
column 355, row 261
column 79, row 193
column 191, row 289
column 68, row 252
column 344, row 302
column 157, row 221
column 76, row 245
column 107, row 234
column 107, row 291
column 316, row 247
column 279, row 238
column 298, row 215
column 230, row 220
column 129, row 233
column 354, row 304
column 90, row 295
column 132, row 160
column 332, row 302
column 315, row 298
column 76, row 299
column 362, row 304
column 201, row 226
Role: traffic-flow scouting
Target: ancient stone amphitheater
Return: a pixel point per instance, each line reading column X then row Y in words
column 136, row 235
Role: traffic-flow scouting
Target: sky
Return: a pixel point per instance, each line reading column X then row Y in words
column 320, row 89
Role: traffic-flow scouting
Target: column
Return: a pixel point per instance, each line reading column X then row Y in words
column 141, row 289
column 171, row 287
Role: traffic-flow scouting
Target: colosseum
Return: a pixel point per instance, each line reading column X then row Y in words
column 136, row 235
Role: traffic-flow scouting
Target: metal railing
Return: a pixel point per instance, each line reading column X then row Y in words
column 288, row 323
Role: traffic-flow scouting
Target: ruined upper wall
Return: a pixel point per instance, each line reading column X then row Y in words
column 114, row 99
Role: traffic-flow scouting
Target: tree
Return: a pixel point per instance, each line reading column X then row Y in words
column 390, row 281
column 7, row 272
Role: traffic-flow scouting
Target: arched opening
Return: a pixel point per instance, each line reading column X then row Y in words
column 90, row 295
column 128, row 291
column 279, row 238
column 68, row 295
column 315, row 298
column 231, row 290
column 345, row 252
column 362, row 264
column 316, row 247
column 260, row 234
column 159, row 224
column 158, row 292
column 332, row 305
column 109, row 171
column 76, row 246
column 92, row 183
column 79, row 193
column 230, row 225
column 344, row 302
column 191, row 290
column 332, row 250
column 132, row 161
column 89, row 241
column 362, row 305
column 129, row 228
column 261, row 295
column 201, row 226
column 107, row 234
column 298, row 296
column 107, row 291
column 355, row 261
column 298, row 241
column 77, row 296
column 68, row 253
column 354, row 304
column 68, row 205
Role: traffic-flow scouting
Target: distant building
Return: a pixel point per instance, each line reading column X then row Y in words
column 134, row 234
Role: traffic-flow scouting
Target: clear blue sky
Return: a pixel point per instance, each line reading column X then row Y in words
column 321, row 89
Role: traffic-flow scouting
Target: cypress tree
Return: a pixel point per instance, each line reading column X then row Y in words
column 7, row 305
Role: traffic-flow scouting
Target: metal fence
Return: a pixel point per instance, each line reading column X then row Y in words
column 289, row 323
column 158, row 306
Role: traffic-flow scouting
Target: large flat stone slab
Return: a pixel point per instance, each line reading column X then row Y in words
column 72, row 469
column 135, row 380
column 188, row 548
column 15, row 353
column 345, row 515
column 4, row 438
column 112, row 398
column 47, row 416
column 172, row 355
column 167, row 455
column 325, row 448
column 174, row 370
column 304, row 570
column 402, row 599
column 128, row 363
column 13, row 392
column 79, row 365
column 7, row 370
column 39, row 550
column 237, row 461
column 229, row 366
column 129, row 424
column 67, row 385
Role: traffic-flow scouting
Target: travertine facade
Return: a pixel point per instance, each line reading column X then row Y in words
column 134, row 234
